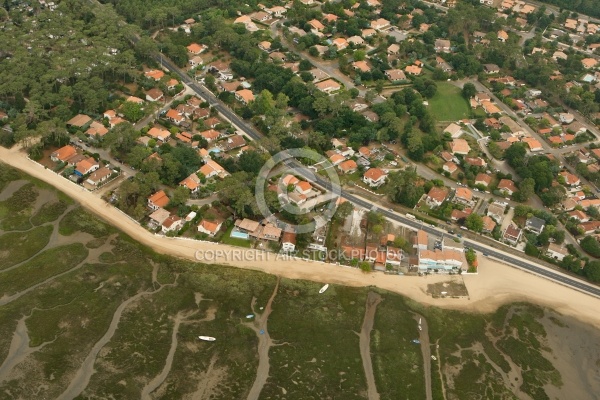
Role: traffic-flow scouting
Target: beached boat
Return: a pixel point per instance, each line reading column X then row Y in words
column 324, row 288
column 207, row 338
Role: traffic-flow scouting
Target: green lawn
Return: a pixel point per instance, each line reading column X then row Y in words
column 448, row 103
column 227, row 239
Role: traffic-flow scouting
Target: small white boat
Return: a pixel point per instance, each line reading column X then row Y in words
column 207, row 338
column 324, row 288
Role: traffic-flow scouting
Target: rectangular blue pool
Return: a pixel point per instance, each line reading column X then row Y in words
column 239, row 235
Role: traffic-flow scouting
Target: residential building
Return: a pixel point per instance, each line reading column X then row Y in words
column 454, row 130
column 491, row 68
column 514, row 127
column 460, row 146
column 439, row 260
column 507, row 187
column 380, row 24
column 154, row 95
column 288, row 241
column 556, row 251
column 436, row 196
column 496, row 211
column 421, row 240
column 442, row 45
column 328, row 86
column 512, row 234
column 395, row 75
column 86, row 166
column 158, row 200
column 99, row 176
column 63, row 154
column 463, row 196
column 450, row 167
column 348, row 166
column 488, row 224
column 158, row 217
column 579, row 215
column 211, row 228
column 483, row 179
column 78, row 121
column 172, row 224
column 374, row 177
column 212, row 169
column 535, row 225
column 533, row 144
column 244, row 96
column 570, row 179
column 413, row 70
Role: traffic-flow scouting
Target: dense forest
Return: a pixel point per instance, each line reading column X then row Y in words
column 587, row 7
column 150, row 14
column 55, row 64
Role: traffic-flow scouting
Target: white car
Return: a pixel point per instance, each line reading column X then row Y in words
column 434, row 358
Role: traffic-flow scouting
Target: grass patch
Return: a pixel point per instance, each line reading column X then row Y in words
column 16, row 247
column 79, row 220
column 41, row 267
column 448, row 103
column 16, row 210
column 321, row 358
column 393, row 351
column 7, row 175
column 49, row 212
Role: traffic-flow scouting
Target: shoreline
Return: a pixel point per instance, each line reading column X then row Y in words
column 495, row 285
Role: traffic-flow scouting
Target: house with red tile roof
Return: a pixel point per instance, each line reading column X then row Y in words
column 483, row 179
column 436, row 196
column 507, row 186
column 348, row 166
column 211, row 228
column 374, row 177
column 464, row 196
column 63, row 154
column 158, row 200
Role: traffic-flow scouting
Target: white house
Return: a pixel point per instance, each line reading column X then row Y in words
column 172, row 224
column 209, row 227
column 288, row 242
column 374, row 177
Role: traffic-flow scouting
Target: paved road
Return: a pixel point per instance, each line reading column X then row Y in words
column 306, row 173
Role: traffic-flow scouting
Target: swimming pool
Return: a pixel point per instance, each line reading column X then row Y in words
column 239, row 235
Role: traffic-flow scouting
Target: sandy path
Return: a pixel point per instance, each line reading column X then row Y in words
column 439, row 367
column 426, row 352
column 86, row 370
column 264, row 344
column 160, row 378
column 373, row 299
column 496, row 284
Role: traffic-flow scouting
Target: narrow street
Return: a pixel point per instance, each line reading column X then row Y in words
column 329, row 67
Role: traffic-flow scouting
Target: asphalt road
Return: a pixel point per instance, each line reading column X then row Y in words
column 308, row 174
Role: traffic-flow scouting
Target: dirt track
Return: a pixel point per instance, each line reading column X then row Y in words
column 495, row 285
column 373, row 299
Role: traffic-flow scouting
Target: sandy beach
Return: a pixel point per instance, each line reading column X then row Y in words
column 496, row 283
